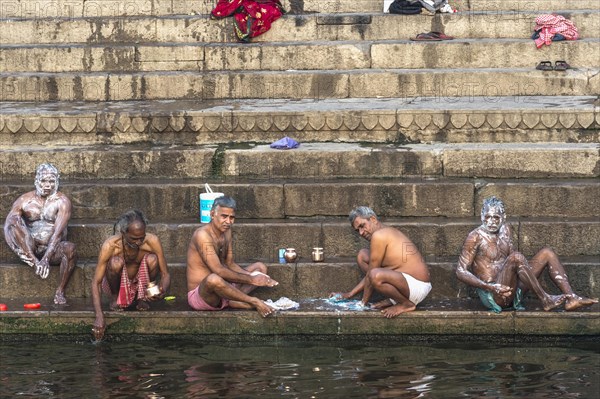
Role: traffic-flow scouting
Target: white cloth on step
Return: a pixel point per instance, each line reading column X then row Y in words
column 283, row 303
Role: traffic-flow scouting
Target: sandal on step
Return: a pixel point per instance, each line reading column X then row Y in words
column 441, row 35
column 425, row 37
column 544, row 66
column 561, row 66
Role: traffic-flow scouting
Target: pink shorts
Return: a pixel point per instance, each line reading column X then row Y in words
column 198, row 303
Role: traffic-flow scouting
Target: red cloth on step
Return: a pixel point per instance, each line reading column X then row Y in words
column 252, row 17
column 549, row 25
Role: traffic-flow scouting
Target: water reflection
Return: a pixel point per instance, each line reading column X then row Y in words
column 178, row 369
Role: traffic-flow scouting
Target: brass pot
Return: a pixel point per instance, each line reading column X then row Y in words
column 152, row 290
column 290, row 255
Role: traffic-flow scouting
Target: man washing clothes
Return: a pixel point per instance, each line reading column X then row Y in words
column 393, row 266
column 128, row 262
column 214, row 280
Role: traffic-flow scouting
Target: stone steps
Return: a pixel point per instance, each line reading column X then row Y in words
column 265, row 85
column 110, row 8
column 287, row 199
column 301, row 28
column 399, row 120
column 310, row 161
column 140, row 103
column 260, row 239
column 281, row 56
column 296, row 281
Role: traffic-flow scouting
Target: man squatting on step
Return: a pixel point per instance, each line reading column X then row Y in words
column 128, row 261
column 36, row 229
column 393, row 266
column 214, row 280
column 500, row 275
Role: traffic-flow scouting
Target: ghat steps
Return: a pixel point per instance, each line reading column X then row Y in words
column 140, row 103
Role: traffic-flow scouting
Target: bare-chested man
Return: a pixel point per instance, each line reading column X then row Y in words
column 393, row 266
column 214, row 280
column 128, row 261
column 36, row 229
column 501, row 275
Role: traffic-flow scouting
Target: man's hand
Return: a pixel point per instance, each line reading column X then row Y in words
column 263, row 280
column 42, row 268
column 156, row 297
column 500, row 289
column 338, row 296
column 98, row 329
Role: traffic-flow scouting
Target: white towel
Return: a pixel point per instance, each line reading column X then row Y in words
column 283, row 303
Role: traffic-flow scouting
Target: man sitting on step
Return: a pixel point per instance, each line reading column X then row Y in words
column 501, row 276
column 214, row 280
column 128, row 261
column 393, row 266
column 36, row 229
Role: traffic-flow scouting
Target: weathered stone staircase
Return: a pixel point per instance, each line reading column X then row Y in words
column 140, row 103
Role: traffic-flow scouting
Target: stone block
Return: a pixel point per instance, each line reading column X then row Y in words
column 519, row 161
column 542, row 323
column 477, row 54
column 97, row 163
column 17, row 280
column 169, row 53
column 489, row 83
column 422, row 198
column 566, row 238
column 318, row 161
column 571, row 198
column 261, row 241
column 314, row 280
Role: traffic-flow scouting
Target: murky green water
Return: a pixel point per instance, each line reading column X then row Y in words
column 183, row 369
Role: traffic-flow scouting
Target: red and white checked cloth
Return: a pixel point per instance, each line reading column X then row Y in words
column 129, row 289
column 551, row 24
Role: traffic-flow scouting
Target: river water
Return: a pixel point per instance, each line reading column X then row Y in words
column 180, row 368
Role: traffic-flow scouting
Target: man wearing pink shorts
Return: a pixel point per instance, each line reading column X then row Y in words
column 214, row 280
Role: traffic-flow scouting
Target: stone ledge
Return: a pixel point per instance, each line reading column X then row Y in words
column 310, row 161
column 278, row 56
column 289, row 29
column 429, row 319
column 402, row 197
column 446, row 84
column 422, row 119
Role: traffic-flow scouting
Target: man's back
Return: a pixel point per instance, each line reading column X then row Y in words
column 399, row 253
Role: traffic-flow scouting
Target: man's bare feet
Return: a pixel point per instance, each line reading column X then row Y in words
column 553, row 301
column 59, row 298
column 142, row 305
column 575, row 302
column 400, row 308
column 263, row 309
column 382, row 304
